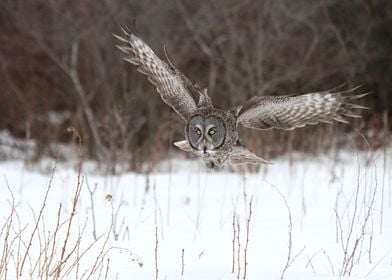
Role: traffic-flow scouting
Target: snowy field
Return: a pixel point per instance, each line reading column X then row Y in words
column 313, row 218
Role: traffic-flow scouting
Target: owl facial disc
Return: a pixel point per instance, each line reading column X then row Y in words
column 206, row 133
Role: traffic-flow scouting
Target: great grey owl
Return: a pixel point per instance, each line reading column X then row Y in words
column 212, row 133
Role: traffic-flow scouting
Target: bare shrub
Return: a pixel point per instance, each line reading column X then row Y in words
column 355, row 221
column 59, row 250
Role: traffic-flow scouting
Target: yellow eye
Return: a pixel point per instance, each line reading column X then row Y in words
column 198, row 131
column 212, row 131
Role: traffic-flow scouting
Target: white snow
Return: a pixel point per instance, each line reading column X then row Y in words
column 192, row 211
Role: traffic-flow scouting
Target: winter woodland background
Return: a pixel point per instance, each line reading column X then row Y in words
column 60, row 68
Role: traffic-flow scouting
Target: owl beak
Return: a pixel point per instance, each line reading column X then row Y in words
column 204, row 145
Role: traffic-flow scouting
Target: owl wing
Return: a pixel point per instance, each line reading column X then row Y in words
column 175, row 89
column 241, row 155
column 289, row 112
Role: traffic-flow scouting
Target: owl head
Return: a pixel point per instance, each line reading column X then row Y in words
column 206, row 132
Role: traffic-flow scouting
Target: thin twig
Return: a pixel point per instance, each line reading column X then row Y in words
column 102, row 253
column 107, row 269
column 290, row 259
column 91, row 192
column 50, row 258
column 233, row 241
column 6, row 229
column 247, row 237
column 238, row 249
column 385, row 144
column 182, row 261
column 156, row 253
column 78, row 189
column 38, row 219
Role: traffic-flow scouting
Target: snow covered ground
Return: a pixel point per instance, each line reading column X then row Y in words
column 317, row 218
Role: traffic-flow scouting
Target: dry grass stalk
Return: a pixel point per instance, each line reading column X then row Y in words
column 182, row 261
column 233, row 242
column 247, row 237
column 91, row 192
column 51, row 241
column 100, row 257
column 385, row 162
column 156, row 253
column 107, row 269
column 76, row 196
column 6, row 230
column 76, row 262
column 38, row 220
column 117, row 232
column 290, row 258
column 352, row 246
column 238, row 250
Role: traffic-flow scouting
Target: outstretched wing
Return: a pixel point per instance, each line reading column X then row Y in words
column 241, row 155
column 289, row 112
column 173, row 87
